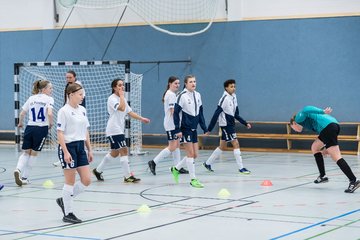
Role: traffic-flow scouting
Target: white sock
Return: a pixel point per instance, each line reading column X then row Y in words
column 176, row 156
column 67, row 197
column 28, row 167
column 181, row 163
column 215, row 154
column 22, row 162
column 163, row 154
column 79, row 187
column 105, row 160
column 191, row 167
column 238, row 158
column 124, row 161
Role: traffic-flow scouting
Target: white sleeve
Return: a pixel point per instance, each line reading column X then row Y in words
column 61, row 120
column 172, row 101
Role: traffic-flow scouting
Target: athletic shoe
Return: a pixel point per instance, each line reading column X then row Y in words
column 56, row 164
column 17, row 177
column 183, row 171
column 208, row 167
column 71, row 218
column 323, row 179
column 152, row 166
column 175, row 174
column 244, row 171
column 353, row 186
column 60, row 202
column 196, row 184
column 98, row 175
column 131, row 179
column 1, row 186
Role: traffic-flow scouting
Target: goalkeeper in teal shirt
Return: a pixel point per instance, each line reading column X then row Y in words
column 319, row 121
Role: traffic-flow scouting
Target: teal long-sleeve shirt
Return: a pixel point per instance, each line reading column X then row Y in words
column 314, row 118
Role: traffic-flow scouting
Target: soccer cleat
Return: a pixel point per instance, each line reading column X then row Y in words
column 208, row 167
column 152, row 166
column 175, row 174
column 98, row 175
column 196, row 184
column 244, row 171
column 25, row 181
column 323, row 179
column 1, row 186
column 71, row 218
column 131, row 179
column 60, row 203
column 353, row 186
column 183, row 171
column 56, row 164
column 17, row 177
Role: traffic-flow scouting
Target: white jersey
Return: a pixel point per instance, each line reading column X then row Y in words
column 169, row 103
column 73, row 122
column 229, row 104
column 37, row 108
column 116, row 122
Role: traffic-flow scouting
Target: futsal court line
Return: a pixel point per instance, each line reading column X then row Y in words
column 315, row 224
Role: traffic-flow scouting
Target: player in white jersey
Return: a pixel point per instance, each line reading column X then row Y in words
column 226, row 113
column 169, row 100
column 39, row 108
column 118, row 108
column 73, row 134
column 189, row 106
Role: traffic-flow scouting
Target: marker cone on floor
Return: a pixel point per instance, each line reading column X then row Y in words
column 144, row 209
column 266, row 183
column 224, row 193
column 48, row 184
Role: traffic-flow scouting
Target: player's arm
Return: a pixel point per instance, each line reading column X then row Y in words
column 240, row 119
column 21, row 118
column 88, row 147
column 138, row 117
column 214, row 118
column 122, row 102
column 202, row 120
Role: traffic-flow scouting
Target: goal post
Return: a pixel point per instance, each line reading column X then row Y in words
column 96, row 78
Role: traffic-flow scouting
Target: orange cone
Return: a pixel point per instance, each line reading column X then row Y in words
column 266, row 183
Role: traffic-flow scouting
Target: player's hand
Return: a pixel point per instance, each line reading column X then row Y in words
column 67, row 157
column 145, row 120
column 207, row 133
column 179, row 135
column 90, row 156
column 248, row 126
column 328, row 110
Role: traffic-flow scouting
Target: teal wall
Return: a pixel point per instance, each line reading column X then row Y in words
column 279, row 65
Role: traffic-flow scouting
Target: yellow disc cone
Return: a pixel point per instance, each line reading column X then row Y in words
column 224, row 193
column 48, row 184
column 143, row 209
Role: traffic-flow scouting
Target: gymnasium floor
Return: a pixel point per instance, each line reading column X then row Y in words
column 292, row 208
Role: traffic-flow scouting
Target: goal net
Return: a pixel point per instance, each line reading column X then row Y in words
column 96, row 78
column 162, row 15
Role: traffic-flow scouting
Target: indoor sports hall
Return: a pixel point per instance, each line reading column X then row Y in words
column 294, row 175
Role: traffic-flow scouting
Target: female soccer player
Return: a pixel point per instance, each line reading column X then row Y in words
column 118, row 108
column 72, row 134
column 169, row 99
column 189, row 105
column 327, row 127
column 39, row 108
column 226, row 113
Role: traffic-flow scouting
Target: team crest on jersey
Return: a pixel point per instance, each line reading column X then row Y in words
column 59, row 124
column 189, row 101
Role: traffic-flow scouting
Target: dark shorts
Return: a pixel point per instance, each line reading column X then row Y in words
column 171, row 135
column 34, row 137
column 78, row 155
column 189, row 136
column 329, row 135
column 117, row 141
column 228, row 134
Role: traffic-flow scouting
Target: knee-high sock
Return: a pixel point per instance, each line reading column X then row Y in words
column 124, row 161
column 79, row 187
column 176, row 156
column 28, row 167
column 238, row 158
column 67, row 195
column 163, row 154
column 106, row 159
column 346, row 169
column 181, row 163
column 22, row 161
column 320, row 163
column 215, row 154
column 191, row 167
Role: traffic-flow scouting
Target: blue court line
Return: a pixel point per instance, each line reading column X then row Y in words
column 49, row 234
column 316, row 224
